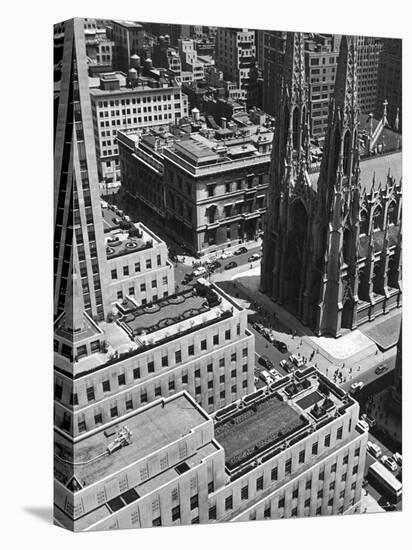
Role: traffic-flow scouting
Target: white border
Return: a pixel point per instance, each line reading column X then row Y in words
column 26, row 280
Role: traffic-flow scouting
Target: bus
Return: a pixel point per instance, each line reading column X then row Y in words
column 384, row 480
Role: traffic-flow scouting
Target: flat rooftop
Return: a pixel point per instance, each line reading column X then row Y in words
column 166, row 312
column 252, row 428
column 162, row 423
column 287, row 410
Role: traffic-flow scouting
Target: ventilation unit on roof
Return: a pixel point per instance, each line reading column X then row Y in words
column 124, row 438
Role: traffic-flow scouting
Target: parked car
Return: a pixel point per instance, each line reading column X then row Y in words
column 215, row 264
column 275, row 374
column 381, row 369
column 254, row 257
column 269, row 336
column 364, row 425
column 230, row 265
column 265, row 376
column 398, row 458
column 285, row 365
column 356, row 386
column 389, row 462
column 281, row 346
column 369, row 419
column 297, row 361
column 374, row 449
column 240, row 250
column 265, row 362
column 226, row 254
column 258, row 327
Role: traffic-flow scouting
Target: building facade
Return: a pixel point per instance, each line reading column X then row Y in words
column 389, row 86
column 120, row 102
column 78, row 237
column 236, row 57
column 332, row 254
column 170, row 463
column 128, row 38
column 369, row 52
column 209, row 193
column 195, row 340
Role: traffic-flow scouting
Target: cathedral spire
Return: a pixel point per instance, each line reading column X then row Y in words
column 74, row 306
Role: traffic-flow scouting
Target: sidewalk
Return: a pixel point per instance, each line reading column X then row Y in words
column 190, row 260
column 301, row 339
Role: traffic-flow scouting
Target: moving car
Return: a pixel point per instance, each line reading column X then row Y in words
column 240, row 250
column 356, row 386
column 381, row 369
column 389, row 462
column 374, row 449
column 199, row 271
column 226, row 254
column 254, row 257
column 215, row 264
column 258, row 327
column 230, row 265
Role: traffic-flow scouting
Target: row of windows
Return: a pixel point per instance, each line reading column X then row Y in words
column 136, row 100
column 164, row 362
column 137, row 267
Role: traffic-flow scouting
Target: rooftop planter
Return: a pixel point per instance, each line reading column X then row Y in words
column 297, row 387
column 318, row 411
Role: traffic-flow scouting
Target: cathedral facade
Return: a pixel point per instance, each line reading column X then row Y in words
column 332, row 246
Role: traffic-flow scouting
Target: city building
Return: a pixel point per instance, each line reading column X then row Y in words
column 207, row 188
column 389, row 86
column 78, row 234
column 190, row 59
column 236, row 57
column 128, row 38
column 167, row 57
column 144, row 98
column 137, row 261
column 293, row 450
column 195, row 340
column 99, row 48
column 321, row 55
column 369, row 51
column 337, row 270
column 274, row 43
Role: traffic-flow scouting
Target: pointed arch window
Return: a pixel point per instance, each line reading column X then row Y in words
column 392, row 213
column 295, row 128
column 346, row 153
column 377, row 218
column 363, row 222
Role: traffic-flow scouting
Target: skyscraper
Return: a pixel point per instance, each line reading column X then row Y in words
column 78, row 237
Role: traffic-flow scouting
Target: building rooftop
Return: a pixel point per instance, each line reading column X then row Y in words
column 376, row 167
column 161, row 423
column 265, row 422
column 138, row 328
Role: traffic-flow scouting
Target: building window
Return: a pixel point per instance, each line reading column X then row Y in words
column 215, row 339
column 129, row 405
column 244, row 493
column 98, row 419
column 210, row 401
column 171, row 384
column 229, row 502
column 274, row 474
column 355, row 470
column 119, row 294
column 308, row 484
column 113, row 411
column 184, row 379
column 259, row 483
column 222, row 362
column 331, row 486
column 143, row 288
column 137, row 267
column 150, row 366
column 333, row 468
column 288, row 466
column 319, row 511
column 321, row 475
column 210, row 367
column 203, row 344
column 301, row 457
column 294, row 512
column 327, row 441
column 244, row 352
column 357, row 451
column 106, row 385
column 178, row 356
column 295, row 493
column 320, row 493
column 281, row 503
column 194, row 502
column 126, row 270
column 90, row 393
column 175, row 513
column 339, row 433
column 149, row 264
column 158, row 391
column 345, row 459
column 191, row 349
column 157, row 522
column 114, row 273
column 210, row 487
column 136, row 373
column 121, row 379
column 212, row 512
column 227, row 335
column 195, row 520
